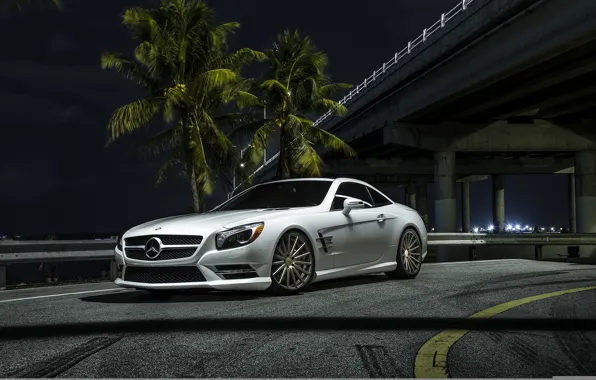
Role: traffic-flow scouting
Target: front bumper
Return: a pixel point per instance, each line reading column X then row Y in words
column 256, row 284
column 244, row 268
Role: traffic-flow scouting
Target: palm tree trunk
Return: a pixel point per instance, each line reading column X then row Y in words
column 196, row 199
column 282, row 154
column 196, row 202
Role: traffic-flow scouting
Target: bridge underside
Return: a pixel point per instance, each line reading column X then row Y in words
column 402, row 166
column 561, row 88
column 525, row 84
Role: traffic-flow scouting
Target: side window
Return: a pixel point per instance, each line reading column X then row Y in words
column 338, row 203
column 378, row 199
column 351, row 190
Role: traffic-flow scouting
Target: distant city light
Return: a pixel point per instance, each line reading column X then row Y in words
column 513, row 228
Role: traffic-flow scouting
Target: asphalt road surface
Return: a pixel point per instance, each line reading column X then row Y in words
column 364, row 327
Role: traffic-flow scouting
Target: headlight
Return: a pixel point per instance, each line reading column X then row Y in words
column 238, row 236
column 119, row 243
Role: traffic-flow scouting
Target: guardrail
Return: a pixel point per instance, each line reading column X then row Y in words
column 474, row 239
column 371, row 81
column 538, row 240
column 38, row 251
column 17, row 252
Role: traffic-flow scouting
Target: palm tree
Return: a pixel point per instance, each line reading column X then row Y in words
column 182, row 61
column 296, row 86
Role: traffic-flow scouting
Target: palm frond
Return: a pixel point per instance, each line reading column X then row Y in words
column 323, row 105
column 298, row 126
column 211, row 79
column 256, row 150
column 128, row 68
column 235, row 120
column 276, row 86
column 306, row 160
column 332, row 88
column 132, row 116
column 148, row 55
column 245, row 99
column 219, row 34
column 247, row 128
column 244, row 56
column 330, row 141
column 143, row 25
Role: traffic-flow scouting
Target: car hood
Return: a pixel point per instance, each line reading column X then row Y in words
column 218, row 219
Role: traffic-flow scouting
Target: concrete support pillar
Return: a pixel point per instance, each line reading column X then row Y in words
column 445, row 199
column 499, row 203
column 585, row 191
column 2, row 277
column 465, row 207
column 422, row 199
column 411, row 195
column 572, row 207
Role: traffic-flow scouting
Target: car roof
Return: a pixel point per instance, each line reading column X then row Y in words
column 339, row 179
column 299, row 179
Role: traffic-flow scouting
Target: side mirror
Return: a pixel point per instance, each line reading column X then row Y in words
column 352, row 204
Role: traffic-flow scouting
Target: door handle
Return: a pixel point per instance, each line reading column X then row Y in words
column 381, row 218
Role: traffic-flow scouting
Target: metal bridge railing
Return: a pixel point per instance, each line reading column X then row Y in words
column 372, row 80
column 18, row 252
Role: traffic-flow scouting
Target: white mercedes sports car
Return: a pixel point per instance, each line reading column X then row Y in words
column 279, row 236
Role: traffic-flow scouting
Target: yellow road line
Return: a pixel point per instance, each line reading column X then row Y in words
column 431, row 359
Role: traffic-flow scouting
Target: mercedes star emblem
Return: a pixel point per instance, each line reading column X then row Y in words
column 153, row 248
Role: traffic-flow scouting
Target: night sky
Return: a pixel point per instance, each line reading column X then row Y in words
column 56, row 174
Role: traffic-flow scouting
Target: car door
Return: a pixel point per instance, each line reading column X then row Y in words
column 359, row 237
column 391, row 225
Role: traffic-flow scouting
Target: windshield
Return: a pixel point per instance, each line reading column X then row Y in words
column 280, row 195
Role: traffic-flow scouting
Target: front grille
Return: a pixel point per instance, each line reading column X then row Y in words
column 163, row 275
column 165, row 239
column 165, row 254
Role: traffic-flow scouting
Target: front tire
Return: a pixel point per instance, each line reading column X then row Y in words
column 293, row 264
column 409, row 255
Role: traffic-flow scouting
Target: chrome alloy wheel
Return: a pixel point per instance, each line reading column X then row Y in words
column 292, row 267
column 411, row 252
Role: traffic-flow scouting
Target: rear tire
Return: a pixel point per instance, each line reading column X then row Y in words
column 293, row 264
column 409, row 255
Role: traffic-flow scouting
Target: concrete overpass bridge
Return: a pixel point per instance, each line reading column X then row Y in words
column 495, row 87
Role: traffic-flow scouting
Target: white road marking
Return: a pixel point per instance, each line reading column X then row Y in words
column 475, row 261
column 63, row 294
